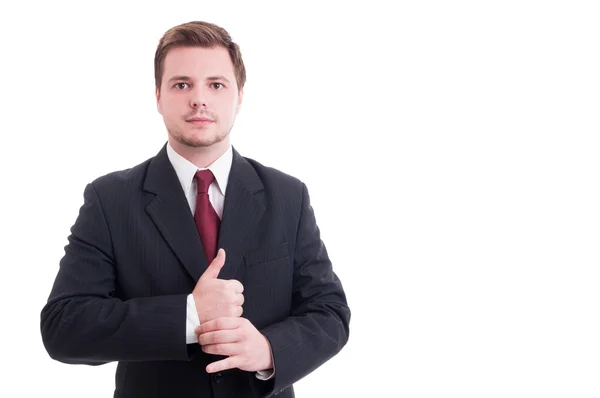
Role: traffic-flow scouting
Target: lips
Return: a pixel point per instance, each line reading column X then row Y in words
column 200, row 119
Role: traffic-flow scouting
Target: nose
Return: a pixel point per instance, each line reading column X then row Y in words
column 198, row 99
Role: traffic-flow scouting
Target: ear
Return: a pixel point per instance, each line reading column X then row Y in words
column 240, row 98
column 157, row 94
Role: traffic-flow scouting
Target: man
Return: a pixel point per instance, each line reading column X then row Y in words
column 200, row 271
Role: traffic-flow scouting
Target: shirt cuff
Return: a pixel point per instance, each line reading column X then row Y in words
column 192, row 321
column 265, row 374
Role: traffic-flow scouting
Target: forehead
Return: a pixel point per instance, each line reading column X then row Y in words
column 198, row 62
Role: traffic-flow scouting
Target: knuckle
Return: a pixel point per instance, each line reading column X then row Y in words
column 217, row 339
column 232, row 297
column 232, row 310
column 236, row 285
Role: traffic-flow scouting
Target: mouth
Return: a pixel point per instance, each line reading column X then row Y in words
column 200, row 121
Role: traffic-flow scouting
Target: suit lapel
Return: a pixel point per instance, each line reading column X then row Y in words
column 242, row 213
column 170, row 212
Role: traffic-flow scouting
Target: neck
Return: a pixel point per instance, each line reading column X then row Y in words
column 201, row 157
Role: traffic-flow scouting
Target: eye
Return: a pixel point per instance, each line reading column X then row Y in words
column 217, row 86
column 180, row 86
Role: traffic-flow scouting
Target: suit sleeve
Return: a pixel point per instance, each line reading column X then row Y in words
column 318, row 327
column 84, row 323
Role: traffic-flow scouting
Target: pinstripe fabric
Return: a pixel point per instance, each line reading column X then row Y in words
column 134, row 254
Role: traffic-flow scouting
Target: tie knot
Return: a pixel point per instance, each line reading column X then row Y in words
column 203, row 179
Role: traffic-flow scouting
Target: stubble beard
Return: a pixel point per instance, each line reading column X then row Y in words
column 197, row 141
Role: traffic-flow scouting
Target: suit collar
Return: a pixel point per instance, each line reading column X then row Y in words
column 243, row 209
column 162, row 169
column 186, row 170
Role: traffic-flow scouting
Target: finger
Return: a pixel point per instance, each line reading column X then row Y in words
column 212, row 272
column 227, row 349
column 219, row 324
column 233, row 311
column 219, row 337
column 236, row 286
column 223, row 364
column 239, row 299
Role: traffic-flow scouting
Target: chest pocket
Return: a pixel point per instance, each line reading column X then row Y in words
column 266, row 255
column 268, row 275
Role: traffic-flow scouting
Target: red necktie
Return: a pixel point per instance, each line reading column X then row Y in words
column 206, row 218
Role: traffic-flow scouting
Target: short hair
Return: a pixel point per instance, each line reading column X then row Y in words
column 198, row 34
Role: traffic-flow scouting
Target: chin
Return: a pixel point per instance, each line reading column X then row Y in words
column 197, row 137
column 198, row 140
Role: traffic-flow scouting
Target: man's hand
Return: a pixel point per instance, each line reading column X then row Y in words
column 217, row 298
column 237, row 338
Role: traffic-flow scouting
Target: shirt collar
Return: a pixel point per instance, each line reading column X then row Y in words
column 186, row 170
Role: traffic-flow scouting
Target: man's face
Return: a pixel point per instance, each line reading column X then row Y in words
column 198, row 97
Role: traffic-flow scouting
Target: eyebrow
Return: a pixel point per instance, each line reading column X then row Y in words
column 187, row 78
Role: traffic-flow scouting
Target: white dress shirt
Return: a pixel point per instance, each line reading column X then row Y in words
column 186, row 171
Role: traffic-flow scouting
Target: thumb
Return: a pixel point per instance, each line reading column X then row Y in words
column 212, row 272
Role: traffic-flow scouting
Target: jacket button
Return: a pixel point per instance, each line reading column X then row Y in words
column 218, row 377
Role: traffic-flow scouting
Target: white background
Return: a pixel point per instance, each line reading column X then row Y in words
column 450, row 148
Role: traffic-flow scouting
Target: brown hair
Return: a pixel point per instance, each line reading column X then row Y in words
column 200, row 34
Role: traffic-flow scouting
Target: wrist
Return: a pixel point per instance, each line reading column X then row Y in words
column 268, row 364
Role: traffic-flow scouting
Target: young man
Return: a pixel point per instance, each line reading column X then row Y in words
column 200, row 271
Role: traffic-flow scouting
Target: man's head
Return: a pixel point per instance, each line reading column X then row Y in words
column 199, row 76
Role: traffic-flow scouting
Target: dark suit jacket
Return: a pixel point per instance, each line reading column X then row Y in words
column 134, row 254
